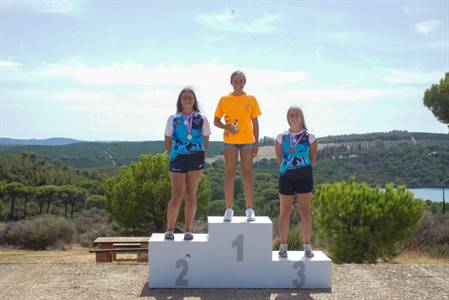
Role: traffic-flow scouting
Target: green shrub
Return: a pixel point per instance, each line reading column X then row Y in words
column 362, row 224
column 3, row 212
column 216, row 208
column 3, row 228
column 431, row 235
column 39, row 233
column 294, row 240
column 91, row 224
column 96, row 201
column 138, row 196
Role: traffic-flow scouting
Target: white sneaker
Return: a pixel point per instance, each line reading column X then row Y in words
column 308, row 252
column 283, row 250
column 229, row 213
column 250, row 215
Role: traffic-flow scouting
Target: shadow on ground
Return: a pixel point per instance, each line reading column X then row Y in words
column 205, row 294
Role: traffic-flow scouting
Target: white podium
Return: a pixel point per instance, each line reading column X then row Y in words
column 235, row 254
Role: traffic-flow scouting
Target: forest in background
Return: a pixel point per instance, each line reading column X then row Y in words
column 38, row 191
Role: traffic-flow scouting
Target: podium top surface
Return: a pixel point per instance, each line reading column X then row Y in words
column 179, row 237
column 239, row 220
column 299, row 255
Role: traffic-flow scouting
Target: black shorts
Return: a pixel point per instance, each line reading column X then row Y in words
column 298, row 181
column 184, row 163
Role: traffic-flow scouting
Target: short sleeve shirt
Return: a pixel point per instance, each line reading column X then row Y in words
column 238, row 111
column 298, row 156
column 177, row 128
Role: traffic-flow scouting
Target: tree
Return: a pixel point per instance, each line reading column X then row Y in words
column 45, row 192
column 27, row 194
column 13, row 190
column 362, row 224
column 137, row 197
column 3, row 211
column 72, row 195
column 216, row 207
column 436, row 98
column 96, row 201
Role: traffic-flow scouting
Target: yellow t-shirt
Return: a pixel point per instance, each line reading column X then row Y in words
column 238, row 110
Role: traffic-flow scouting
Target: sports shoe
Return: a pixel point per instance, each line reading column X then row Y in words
column 283, row 250
column 229, row 213
column 169, row 235
column 308, row 252
column 250, row 215
column 188, row 236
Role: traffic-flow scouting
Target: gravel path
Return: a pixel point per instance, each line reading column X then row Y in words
column 128, row 281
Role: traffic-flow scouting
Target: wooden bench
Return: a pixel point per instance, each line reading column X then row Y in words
column 108, row 247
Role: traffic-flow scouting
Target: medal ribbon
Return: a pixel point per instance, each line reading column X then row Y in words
column 189, row 119
column 292, row 146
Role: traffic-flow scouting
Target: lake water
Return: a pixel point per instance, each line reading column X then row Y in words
column 434, row 194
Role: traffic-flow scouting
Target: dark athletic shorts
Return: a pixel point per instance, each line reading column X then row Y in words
column 299, row 181
column 184, row 163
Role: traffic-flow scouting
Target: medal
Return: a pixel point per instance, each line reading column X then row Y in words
column 292, row 146
column 188, row 119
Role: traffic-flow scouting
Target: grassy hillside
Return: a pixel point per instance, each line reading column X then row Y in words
column 96, row 155
column 107, row 155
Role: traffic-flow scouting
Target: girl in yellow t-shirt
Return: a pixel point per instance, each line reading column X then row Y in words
column 241, row 133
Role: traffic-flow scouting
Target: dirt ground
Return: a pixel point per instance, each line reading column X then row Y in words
column 74, row 274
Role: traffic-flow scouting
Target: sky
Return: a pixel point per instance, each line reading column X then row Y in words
column 112, row 70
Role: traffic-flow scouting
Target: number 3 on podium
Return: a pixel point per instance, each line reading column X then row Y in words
column 301, row 275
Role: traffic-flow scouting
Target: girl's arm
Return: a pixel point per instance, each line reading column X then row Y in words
column 256, row 135
column 206, row 144
column 167, row 142
column 277, row 148
column 219, row 124
column 313, row 152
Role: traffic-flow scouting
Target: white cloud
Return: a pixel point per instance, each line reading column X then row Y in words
column 233, row 23
column 416, row 8
column 207, row 74
column 428, row 26
column 409, row 77
column 341, row 95
column 128, row 101
column 440, row 44
column 47, row 6
column 214, row 39
column 8, row 64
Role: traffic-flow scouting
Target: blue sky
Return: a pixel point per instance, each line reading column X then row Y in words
column 112, row 70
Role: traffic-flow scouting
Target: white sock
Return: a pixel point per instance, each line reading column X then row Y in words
column 308, row 247
column 283, row 247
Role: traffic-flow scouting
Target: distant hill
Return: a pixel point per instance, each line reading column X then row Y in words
column 107, row 155
column 96, row 155
column 395, row 135
column 57, row 141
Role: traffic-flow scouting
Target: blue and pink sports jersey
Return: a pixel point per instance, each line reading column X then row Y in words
column 298, row 156
column 178, row 129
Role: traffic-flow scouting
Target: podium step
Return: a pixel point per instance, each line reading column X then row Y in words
column 236, row 254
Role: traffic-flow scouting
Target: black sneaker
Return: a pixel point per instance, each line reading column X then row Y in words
column 169, row 235
column 188, row 236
